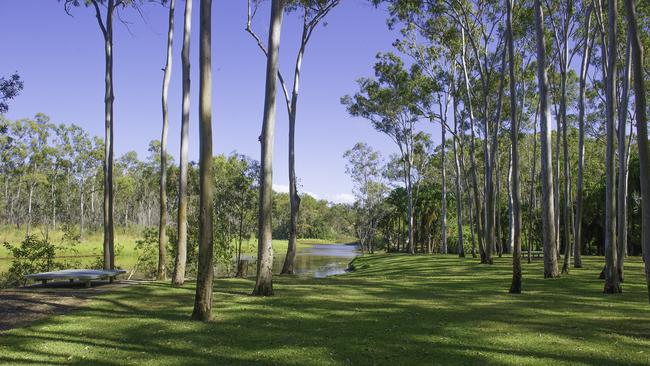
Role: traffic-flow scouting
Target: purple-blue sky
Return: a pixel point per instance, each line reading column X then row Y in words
column 61, row 60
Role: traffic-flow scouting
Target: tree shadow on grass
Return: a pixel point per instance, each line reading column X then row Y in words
column 438, row 311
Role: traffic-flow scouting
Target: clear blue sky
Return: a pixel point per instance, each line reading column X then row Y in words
column 61, row 60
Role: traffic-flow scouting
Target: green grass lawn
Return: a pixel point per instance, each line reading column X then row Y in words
column 394, row 310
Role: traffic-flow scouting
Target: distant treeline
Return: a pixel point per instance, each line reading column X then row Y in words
column 51, row 176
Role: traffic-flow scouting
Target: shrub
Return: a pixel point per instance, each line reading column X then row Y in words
column 31, row 256
column 147, row 249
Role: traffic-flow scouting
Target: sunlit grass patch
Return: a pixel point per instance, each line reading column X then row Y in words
column 399, row 309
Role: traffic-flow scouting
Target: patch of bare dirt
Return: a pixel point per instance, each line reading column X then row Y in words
column 22, row 306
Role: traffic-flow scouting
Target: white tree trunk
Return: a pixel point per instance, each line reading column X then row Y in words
column 548, row 205
column 264, row 283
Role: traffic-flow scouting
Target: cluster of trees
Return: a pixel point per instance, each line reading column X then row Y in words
column 312, row 13
column 52, row 177
column 492, row 74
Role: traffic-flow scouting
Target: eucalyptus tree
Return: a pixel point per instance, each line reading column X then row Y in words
column 243, row 193
column 587, row 44
column 393, row 103
column 564, row 23
column 443, row 180
column 623, row 161
column 59, row 160
column 468, row 105
column 37, row 135
column 264, row 282
column 9, row 89
column 364, row 166
column 178, row 277
column 105, row 20
column 313, row 13
column 437, row 58
column 162, row 224
column 82, row 164
column 480, row 22
column 637, row 53
column 609, row 51
column 515, row 287
column 548, row 209
column 203, row 298
column 443, row 24
column 15, row 156
column 458, row 150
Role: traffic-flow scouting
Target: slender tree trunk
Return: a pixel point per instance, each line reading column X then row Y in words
column 515, row 287
column 178, row 278
column 294, row 198
column 490, row 150
column 81, row 209
column 511, row 223
column 584, row 68
column 471, row 229
column 621, row 199
column 642, row 132
column 203, row 299
column 443, row 203
column 628, row 247
column 109, row 98
column 53, row 197
column 17, row 219
column 409, row 213
column 264, row 283
column 556, row 181
column 29, row 209
column 472, row 155
column 533, row 196
column 162, row 225
column 548, row 207
column 612, row 280
column 460, row 245
column 240, row 270
column 497, row 208
column 67, row 197
column 566, row 187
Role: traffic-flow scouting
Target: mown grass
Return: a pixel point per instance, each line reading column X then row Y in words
column 394, row 310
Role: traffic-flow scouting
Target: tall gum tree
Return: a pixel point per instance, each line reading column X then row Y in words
column 515, row 287
column 264, row 282
column 162, row 224
column 393, row 103
column 313, row 12
column 437, row 20
column 178, row 277
column 105, row 22
column 637, row 53
column 612, row 279
column 584, row 70
column 562, row 19
column 548, row 206
column 203, row 297
column 623, row 160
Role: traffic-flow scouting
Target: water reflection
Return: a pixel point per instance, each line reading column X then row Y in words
column 316, row 260
column 320, row 260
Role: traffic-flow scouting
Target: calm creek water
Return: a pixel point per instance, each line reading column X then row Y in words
column 316, row 260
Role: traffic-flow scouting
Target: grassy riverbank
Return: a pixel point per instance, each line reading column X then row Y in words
column 395, row 309
column 89, row 248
